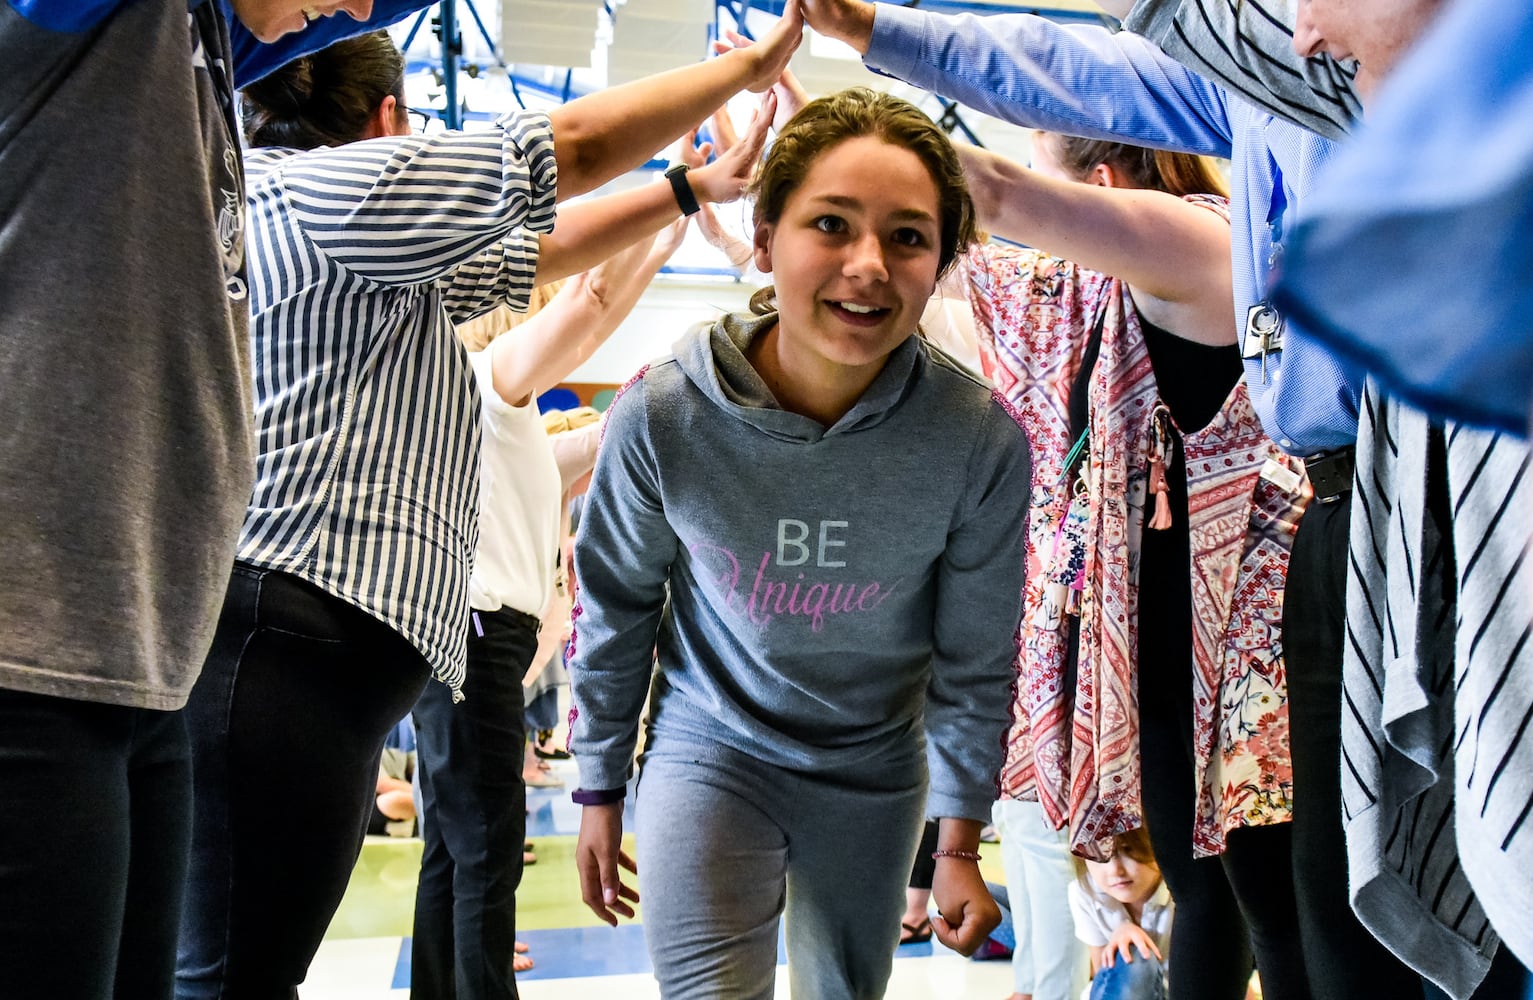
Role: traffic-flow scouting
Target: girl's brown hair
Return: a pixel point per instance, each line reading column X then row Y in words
column 858, row 111
column 1180, row 174
column 327, row 98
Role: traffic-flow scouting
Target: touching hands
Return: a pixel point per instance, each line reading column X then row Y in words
column 966, row 912
column 770, row 55
column 850, row 21
column 726, row 178
column 599, row 856
column 1124, row 939
column 791, row 95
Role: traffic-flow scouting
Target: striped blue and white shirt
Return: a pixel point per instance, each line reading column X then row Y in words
column 1085, row 80
column 367, row 413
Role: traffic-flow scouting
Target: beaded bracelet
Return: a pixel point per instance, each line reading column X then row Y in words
column 962, row 855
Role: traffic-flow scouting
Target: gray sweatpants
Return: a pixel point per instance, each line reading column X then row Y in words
column 726, row 844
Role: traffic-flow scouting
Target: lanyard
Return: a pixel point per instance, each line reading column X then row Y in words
column 1275, row 212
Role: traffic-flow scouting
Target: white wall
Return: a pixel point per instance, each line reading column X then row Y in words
column 667, row 310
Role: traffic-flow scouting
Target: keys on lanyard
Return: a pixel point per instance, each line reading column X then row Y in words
column 1264, row 324
column 1264, row 334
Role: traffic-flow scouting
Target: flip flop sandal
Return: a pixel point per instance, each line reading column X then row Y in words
column 916, row 933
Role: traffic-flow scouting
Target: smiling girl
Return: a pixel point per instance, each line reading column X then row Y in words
column 818, row 445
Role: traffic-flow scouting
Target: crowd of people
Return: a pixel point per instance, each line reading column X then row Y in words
column 1192, row 558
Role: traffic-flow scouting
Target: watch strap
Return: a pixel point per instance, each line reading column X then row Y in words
column 685, row 199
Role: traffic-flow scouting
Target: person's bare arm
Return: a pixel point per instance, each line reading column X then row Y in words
column 602, row 135
column 591, row 306
column 1175, row 256
column 588, row 232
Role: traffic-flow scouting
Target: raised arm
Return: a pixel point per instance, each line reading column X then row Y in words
column 1248, row 48
column 254, row 58
column 543, row 350
column 594, row 136
column 588, row 232
column 1173, row 254
column 1080, row 80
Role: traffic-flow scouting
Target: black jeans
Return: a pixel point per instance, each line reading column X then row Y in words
column 1233, row 910
column 1236, row 909
column 93, row 847
column 287, row 725
column 469, row 758
column 1344, row 960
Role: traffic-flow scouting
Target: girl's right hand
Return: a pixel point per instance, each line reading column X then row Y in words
column 599, row 856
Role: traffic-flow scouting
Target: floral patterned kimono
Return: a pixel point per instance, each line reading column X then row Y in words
column 1077, row 750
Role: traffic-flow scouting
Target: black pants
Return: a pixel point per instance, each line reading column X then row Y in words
column 925, row 868
column 470, row 762
column 1233, row 910
column 93, row 847
column 287, row 724
column 1238, row 908
column 1344, row 960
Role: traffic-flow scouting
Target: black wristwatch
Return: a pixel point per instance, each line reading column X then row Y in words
column 685, row 199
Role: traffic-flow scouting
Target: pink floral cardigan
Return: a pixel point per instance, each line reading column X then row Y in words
column 1077, row 751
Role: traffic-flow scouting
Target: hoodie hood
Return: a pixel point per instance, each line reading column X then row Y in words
column 712, row 355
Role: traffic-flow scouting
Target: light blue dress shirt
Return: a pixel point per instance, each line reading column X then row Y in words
column 1432, row 210
column 1088, row 81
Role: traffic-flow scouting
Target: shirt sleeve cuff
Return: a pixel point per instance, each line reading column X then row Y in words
column 531, row 134
column 599, row 796
column 895, row 45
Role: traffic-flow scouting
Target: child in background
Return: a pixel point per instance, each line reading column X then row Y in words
column 1123, row 912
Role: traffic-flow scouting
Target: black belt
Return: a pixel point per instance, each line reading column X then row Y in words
column 508, row 616
column 1330, row 473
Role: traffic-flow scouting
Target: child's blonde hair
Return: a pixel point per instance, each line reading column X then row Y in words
column 1135, row 843
column 476, row 334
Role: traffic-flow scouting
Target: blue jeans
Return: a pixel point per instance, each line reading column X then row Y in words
column 1142, row 979
column 93, row 847
column 1048, row 961
column 475, row 819
column 287, row 724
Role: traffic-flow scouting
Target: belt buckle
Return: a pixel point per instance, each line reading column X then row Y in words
column 1330, row 474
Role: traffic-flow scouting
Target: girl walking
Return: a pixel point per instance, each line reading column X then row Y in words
column 815, row 521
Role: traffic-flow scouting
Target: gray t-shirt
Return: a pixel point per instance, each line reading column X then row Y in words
column 125, row 386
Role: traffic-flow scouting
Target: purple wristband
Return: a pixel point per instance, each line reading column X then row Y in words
column 599, row 797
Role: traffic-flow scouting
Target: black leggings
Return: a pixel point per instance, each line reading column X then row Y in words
column 1232, row 910
column 1238, row 908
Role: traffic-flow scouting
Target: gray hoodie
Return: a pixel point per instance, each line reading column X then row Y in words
column 832, row 591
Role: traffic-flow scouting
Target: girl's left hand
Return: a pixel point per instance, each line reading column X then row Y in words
column 966, row 913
